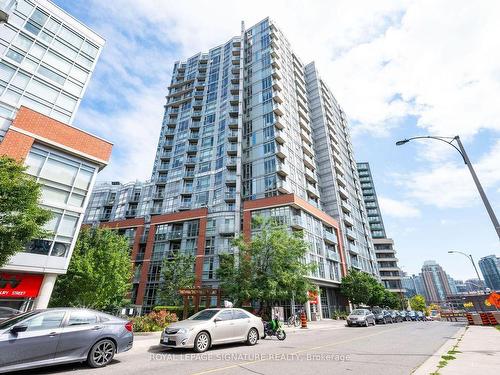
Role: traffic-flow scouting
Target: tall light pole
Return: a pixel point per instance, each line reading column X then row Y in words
column 465, row 157
column 473, row 264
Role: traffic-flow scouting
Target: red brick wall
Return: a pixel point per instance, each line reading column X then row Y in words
column 56, row 131
column 16, row 145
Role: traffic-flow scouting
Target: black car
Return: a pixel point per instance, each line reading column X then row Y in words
column 7, row 313
column 404, row 315
column 412, row 315
column 396, row 318
column 382, row 316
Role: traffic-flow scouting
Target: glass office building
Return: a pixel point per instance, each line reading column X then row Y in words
column 46, row 60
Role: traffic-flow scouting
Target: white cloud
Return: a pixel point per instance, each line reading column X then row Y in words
column 398, row 209
column 450, row 184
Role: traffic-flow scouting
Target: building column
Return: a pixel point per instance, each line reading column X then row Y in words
column 42, row 301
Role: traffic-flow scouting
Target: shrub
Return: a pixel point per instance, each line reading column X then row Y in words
column 154, row 321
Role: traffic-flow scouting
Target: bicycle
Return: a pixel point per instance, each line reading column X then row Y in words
column 293, row 320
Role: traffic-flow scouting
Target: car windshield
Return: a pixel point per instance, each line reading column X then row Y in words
column 16, row 319
column 204, row 315
column 358, row 312
column 377, row 311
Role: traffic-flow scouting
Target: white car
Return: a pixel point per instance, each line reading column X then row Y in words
column 211, row 327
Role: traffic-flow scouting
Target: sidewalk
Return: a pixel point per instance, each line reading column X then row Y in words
column 480, row 353
column 477, row 352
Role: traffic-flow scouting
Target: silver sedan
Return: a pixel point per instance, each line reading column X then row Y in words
column 211, row 327
column 62, row 335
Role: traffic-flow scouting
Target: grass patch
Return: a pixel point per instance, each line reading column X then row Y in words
column 448, row 357
column 442, row 364
column 453, row 351
column 497, row 327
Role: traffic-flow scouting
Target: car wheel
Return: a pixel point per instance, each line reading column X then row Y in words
column 252, row 337
column 201, row 342
column 101, row 353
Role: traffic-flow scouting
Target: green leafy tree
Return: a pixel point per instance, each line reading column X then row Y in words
column 21, row 218
column 361, row 289
column 177, row 273
column 99, row 273
column 377, row 294
column 417, row 303
column 391, row 300
column 270, row 267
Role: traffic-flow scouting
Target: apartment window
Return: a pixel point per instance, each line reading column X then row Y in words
column 204, row 167
column 269, row 165
column 266, row 83
column 268, row 148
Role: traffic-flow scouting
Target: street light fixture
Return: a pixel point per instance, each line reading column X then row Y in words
column 465, row 157
column 473, row 264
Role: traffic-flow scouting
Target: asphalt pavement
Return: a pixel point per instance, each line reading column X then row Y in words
column 326, row 348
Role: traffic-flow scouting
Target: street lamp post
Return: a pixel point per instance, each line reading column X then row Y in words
column 473, row 264
column 465, row 157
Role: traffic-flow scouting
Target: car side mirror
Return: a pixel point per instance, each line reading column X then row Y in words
column 18, row 328
column 217, row 320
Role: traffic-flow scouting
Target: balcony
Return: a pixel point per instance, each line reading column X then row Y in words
column 340, row 169
column 187, row 190
column 348, row 220
column 131, row 212
column 231, row 163
column 282, row 169
column 277, row 85
column 277, row 97
column 306, row 137
column 196, row 114
column 283, row 187
column 278, row 109
column 162, row 179
column 190, row 160
column 195, row 125
column 355, row 263
column 174, row 235
column 232, row 135
column 310, row 176
column 235, row 89
column 343, row 192
column 330, row 254
column 353, row 249
column 194, row 136
column 346, row 207
column 276, row 73
column 280, row 151
column 166, row 154
column 185, row 205
column 231, row 179
column 330, row 237
column 279, row 136
column 297, row 222
column 230, row 196
column 226, row 229
column 232, row 149
column 159, row 195
column 192, row 148
column 350, row 233
column 341, row 181
column 312, row 191
column 307, row 149
column 156, row 210
column 163, row 167
column 278, row 123
column 233, row 123
column 309, row 162
column 188, row 175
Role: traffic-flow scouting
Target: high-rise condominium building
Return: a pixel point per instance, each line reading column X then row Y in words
column 238, row 140
column 390, row 273
column 490, row 268
column 46, row 59
column 413, row 285
column 436, row 282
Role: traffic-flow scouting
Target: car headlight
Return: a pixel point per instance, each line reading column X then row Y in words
column 184, row 330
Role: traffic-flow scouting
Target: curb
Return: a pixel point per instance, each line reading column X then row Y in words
column 430, row 365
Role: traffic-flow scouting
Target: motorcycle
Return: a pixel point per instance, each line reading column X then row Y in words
column 274, row 328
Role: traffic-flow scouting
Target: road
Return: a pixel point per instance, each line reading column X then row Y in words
column 383, row 349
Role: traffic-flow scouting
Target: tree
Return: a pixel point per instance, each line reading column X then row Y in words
column 21, row 218
column 177, row 273
column 361, row 289
column 270, row 267
column 99, row 273
column 391, row 300
column 417, row 303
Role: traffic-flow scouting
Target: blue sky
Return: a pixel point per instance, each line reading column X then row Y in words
column 398, row 68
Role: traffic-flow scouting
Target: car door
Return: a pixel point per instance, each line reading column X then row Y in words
column 38, row 343
column 241, row 324
column 223, row 327
column 81, row 330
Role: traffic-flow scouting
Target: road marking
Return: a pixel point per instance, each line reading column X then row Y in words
column 294, row 353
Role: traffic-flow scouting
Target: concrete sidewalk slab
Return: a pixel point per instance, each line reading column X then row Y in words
column 479, row 353
column 323, row 324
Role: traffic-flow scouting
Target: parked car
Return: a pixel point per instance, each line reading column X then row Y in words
column 7, row 313
column 420, row 316
column 382, row 316
column 412, row 315
column 211, row 327
column 62, row 335
column 404, row 315
column 360, row 317
column 395, row 316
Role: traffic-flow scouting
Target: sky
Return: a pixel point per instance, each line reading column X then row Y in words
column 398, row 68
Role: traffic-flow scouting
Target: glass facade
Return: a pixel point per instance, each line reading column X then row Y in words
column 46, row 59
column 65, row 186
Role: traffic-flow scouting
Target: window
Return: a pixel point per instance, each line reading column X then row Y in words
column 81, row 318
column 268, row 148
column 51, row 75
column 59, row 171
column 48, row 320
column 239, row 314
column 225, row 315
